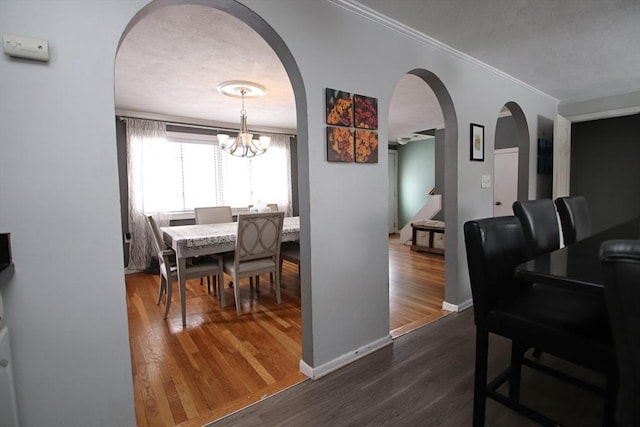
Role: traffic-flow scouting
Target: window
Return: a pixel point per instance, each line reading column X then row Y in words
column 188, row 170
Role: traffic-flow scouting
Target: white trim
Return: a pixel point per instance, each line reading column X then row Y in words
column 345, row 359
column 457, row 308
column 506, row 150
column 604, row 114
column 374, row 16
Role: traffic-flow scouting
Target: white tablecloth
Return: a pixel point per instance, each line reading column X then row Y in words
column 197, row 240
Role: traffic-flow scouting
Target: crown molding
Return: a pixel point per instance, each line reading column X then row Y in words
column 374, row 16
column 598, row 115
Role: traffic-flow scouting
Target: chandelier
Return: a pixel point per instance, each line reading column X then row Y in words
column 243, row 145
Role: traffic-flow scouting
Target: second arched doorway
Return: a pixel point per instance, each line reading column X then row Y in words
column 422, row 132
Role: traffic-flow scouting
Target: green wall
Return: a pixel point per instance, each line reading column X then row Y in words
column 416, row 176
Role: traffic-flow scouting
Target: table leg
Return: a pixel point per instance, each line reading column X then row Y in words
column 182, row 278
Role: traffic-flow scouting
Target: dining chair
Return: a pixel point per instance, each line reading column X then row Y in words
column 569, row 325
column 574, row 218
column 290, row 252
column 270, row 207
column 213, row 215
column 257, row 250
column 621, row 266
column 540, row 225
column 169, row 269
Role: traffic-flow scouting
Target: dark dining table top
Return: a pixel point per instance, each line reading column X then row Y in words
column 577, row 266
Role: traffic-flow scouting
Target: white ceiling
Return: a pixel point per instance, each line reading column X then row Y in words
column 570, row 49
column 171, row 62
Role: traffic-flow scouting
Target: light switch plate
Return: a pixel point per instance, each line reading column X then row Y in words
column 485, row 182
column 25, row 47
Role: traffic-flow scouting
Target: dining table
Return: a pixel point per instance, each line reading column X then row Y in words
column 577, row 266
column 189, row 241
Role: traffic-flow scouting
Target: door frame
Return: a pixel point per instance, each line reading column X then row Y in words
column 500, row 151
column 393, row 192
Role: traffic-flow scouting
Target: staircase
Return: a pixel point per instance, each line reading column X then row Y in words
column 428, row 211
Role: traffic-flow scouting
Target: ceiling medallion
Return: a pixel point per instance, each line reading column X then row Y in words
column 235, row 89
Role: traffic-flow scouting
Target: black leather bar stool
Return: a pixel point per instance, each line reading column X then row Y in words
column 568, row 325
column 621, row 264
column 574, row 218
column 540, row 225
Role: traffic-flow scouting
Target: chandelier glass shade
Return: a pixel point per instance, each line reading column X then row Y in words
column 243, row 145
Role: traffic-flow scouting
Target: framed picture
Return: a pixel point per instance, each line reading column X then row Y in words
column 477, row 142
column 545, row 156
column 366, row 146
column 339, row 144
column 366, row 112
column 339, row 107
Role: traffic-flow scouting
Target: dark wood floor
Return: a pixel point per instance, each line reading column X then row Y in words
column 424, row 378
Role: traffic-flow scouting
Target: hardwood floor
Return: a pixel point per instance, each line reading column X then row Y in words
column 416, row 287
column 219, row 363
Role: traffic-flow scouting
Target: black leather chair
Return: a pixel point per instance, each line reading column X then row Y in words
column 540, row 225
column 621, row 264
column 574, row 218
column 568, row 325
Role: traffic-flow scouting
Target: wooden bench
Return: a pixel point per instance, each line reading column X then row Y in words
column 424, row 236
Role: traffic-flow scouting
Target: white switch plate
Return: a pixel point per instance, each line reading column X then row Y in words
column 485, row 182
column 25, row 47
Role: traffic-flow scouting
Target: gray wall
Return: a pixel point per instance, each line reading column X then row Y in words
column 60, row 198
column 605, row 160
column 419, row 197
column 416, row 176
column 506, row 133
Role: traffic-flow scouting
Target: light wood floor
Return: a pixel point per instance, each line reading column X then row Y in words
column 416, row 287
column 219, row 364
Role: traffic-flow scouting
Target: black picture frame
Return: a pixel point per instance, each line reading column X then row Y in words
column 545, row 156
column 476, row 142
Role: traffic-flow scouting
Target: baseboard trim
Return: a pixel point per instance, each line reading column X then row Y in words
column 459, row 307
column 345, row 359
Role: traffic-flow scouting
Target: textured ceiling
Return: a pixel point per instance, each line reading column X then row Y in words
column 171, row 62
column 569, row 49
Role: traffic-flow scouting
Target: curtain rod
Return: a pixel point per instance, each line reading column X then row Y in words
column 191, row 125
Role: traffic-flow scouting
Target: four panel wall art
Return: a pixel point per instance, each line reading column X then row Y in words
column 352, row 127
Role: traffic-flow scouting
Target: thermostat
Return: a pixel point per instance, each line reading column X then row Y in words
column 25, row 47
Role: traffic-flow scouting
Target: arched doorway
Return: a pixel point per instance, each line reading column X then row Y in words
column 511, row 159
column 419, row 112
column 208, row 370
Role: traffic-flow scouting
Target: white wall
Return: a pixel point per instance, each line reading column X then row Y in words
column 59, row 193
